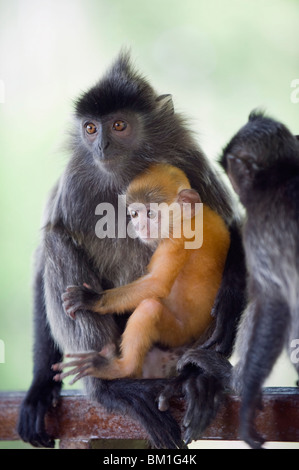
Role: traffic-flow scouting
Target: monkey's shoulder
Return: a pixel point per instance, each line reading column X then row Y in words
column 283, row 201
column 292, row 190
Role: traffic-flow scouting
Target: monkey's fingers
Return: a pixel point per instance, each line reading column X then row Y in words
column 87, row 286
column 173, row 390
column 199, row 389
column 80, row 375
column 82, row 355
column 70, row 306
column 72, row 301
column 108, row 351
column 76, row 370
column 64, row 365
column 79, row 298
column 164, row 397
column 95, row 361
column 191, row 389
column 80, row 359
column 163, row 403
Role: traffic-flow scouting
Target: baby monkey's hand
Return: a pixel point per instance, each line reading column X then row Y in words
column 79, row 298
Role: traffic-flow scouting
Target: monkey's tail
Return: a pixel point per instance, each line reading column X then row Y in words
column 137, row 398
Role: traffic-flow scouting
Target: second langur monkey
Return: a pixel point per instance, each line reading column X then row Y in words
column 172, row 303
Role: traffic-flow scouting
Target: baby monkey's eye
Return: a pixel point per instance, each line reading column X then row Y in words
column 119, row 125
column 151, row 214
column 90, row 128
column 134, row 214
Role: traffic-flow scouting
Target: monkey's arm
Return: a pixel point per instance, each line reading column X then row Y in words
column 44, row 392
column 165, row 265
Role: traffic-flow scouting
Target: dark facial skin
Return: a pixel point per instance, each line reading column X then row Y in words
column 112, row 137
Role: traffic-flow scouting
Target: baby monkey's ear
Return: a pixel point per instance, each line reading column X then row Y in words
column 189, row 200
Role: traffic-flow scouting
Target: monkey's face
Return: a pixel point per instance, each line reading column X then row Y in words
column 146, row 222
column 258, row 153
column 113, row 138
column 124, row 124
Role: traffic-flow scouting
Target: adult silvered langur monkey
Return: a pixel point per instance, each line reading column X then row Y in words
column 262, row 162
column 122, row 126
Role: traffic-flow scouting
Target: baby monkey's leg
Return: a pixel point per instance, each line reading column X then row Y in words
column 151, row 322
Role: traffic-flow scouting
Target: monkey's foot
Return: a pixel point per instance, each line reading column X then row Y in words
column 252, row 438
column 79, row 298
column 84, row 364
column 102, row 365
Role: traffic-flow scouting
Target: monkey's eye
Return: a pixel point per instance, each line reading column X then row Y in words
column 119, row 126
column 151, row 214
column 90, row 128
column 134, row 214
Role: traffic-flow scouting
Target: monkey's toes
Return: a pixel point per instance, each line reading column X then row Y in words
column 252, row 438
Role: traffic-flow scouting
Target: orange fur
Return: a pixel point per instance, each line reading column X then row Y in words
column 172, row 303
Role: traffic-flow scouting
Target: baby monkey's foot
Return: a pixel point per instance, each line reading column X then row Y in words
column 84, row 364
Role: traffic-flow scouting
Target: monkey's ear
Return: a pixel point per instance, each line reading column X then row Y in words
column 165, row 102
column 189, row 200
column 240, row 170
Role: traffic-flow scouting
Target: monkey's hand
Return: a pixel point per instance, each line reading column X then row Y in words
column 202, row 395
column 202, row 381
column 39, row 399
column 83, row 364
column 80, row 298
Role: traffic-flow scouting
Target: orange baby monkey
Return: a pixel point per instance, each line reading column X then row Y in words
column 172, row 302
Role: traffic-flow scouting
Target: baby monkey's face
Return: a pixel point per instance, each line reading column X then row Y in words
column 146, row 222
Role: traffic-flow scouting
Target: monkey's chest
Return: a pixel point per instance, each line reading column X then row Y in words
column 119, row 260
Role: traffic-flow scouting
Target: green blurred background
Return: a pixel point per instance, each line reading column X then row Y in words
column 219, row 59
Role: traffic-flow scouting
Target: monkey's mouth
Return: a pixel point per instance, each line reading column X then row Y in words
column 148, row 237
column 108, row 163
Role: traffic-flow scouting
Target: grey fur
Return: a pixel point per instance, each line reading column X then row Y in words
column 262, row 161
column 71, row 254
